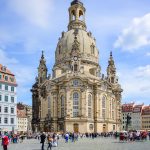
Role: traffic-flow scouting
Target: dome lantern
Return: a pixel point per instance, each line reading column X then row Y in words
column 77, row 15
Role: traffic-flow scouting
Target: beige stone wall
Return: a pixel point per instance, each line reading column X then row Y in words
column 67, row 91
column 22, row 124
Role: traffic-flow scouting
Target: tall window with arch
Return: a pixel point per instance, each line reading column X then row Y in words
column 89, row 106
column 75, row 104
column 81, row 16
column 59, row 49
column 49, row 106
column 113, row 107
column 62, row 106
column 103, row 107
column 75, row 67
column 92, row 49
column 73, row 15
column 110, row 109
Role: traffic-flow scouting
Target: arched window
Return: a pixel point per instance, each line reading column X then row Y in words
column 103, row 102
column 110, row 109
column 49, row 102
column 112, row 79
column 73, row 15
column 92, row 49
column 62, row 106
column 89, row 106
column 75, row 67
column 59, row 49
column 113, row 107
column 81, row 17
column 41, row 79
column 49, row 107
column 103, row 107
column 75, row 104
column 113, row 104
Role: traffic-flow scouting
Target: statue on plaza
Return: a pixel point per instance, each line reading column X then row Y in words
column 128, row 122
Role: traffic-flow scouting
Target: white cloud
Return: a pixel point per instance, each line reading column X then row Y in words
column 143, row 71
column 135, row 82
column 5, row 60
column 136, row 35
column 24, row 74
column 36, row 12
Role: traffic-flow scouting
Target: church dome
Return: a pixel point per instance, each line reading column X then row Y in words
column 87, row 45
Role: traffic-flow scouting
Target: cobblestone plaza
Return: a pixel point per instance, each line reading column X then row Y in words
column 85, row 144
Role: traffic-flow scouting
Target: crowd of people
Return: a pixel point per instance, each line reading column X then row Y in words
column 10, row 138
column 51, row 139
column 134, row 135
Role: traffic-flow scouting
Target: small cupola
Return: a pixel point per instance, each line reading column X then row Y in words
column 77, row 15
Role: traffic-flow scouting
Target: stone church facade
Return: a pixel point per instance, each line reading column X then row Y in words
column 77, row 97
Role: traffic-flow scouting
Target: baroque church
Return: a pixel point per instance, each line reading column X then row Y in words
column 76, row 97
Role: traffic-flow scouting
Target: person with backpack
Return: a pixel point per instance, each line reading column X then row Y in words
column 50, row 141
column 5, row 141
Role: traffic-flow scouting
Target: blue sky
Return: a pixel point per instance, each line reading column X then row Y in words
column 123, row 26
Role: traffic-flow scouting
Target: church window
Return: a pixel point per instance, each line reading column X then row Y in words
column 59, row 49
column 113, row 104
column 41, row 80
column 89, row 106
column 73, row 15
column 92, row 49
column 110, row 109
column 62, row 106
column 103, row 113
column 81, row 15
column 75, row 104
column 103, row 107
column 75, row 67
column 113, row 115
column 103, row 102
column 49, row 102
column 112, row 79
column 75, row 82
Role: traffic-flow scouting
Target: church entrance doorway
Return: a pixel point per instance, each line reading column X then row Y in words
column 76, row 128
column 104, row 127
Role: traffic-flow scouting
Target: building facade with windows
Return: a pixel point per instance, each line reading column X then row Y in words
column 127, row 109
column 24, row 116
column 77, row 97
column 8, row 100
column 22, row 119
column 137, row 117
column 146, row 118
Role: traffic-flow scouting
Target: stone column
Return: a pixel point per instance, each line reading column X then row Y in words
column 118, row 110
column 95, row 107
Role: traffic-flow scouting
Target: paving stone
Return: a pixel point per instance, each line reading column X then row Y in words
column 84, row 144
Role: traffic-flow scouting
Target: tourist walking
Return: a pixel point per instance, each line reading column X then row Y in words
column 66, row 137
column 5, row 141
column 42, row 140
column 50, row 141
column 149, row 135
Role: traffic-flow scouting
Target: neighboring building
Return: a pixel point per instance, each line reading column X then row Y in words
column 146, row 118
column 127, row 109
column 29, row 118
column 22, row 121
column 24, row 118
column 76, row 98
column 137, row 117
column 8, row 100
